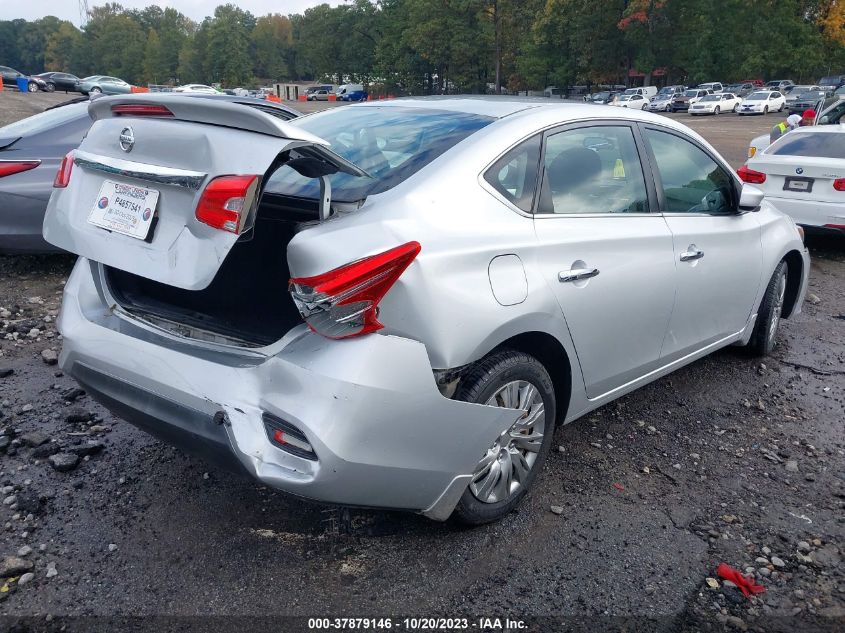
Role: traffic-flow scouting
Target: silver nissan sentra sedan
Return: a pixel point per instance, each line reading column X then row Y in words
column 394, row 304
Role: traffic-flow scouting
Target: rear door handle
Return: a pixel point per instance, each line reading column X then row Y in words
column 577, row 274
column 691, row 253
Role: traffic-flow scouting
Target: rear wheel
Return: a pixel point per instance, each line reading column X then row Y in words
column 780, row 109
column 511, row 380
column 96, row 90
column 768, row 318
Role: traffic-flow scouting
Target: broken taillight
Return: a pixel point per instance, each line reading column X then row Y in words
column 63, row 175
column 9, row 167
column 344, row 302
column 226, row 201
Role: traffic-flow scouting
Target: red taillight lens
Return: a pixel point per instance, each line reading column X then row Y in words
column 344, row 302
column 226, row 202
column 751, row 176
column 7, row 168
column 63, row 175
column 140, row 109
column 839, row 184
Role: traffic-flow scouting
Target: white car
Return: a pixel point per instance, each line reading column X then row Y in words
column 834, row 115
column 802, row 174
column 638, row 102
column 763, row 102
column 716, row 104
column 196, row 88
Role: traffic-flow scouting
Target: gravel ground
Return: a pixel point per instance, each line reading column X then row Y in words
column 727, row 460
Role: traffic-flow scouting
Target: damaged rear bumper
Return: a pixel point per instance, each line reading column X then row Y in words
column 382, row 433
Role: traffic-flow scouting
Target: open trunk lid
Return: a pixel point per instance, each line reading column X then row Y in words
column 141, row 172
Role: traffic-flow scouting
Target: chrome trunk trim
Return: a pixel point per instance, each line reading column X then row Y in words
column 142, row 171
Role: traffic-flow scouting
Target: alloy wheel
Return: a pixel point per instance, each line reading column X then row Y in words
column 778, row 307
column 505, row 466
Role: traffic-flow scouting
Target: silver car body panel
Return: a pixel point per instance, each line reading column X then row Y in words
column 487, row 273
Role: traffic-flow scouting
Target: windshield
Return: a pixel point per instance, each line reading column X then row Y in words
column 666, row 91
column 758, row 96
column 813, row 94
column 710, row 98
column 625, row 97
column 691, row 93
column 389, row 143
column 829, row 81
column 815, row 144
column 601, row 95
column 45, row 120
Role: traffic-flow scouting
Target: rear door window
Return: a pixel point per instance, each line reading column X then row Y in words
column 593, row 170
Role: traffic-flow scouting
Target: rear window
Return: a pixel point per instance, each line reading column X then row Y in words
column 816, row 144
column 45, row 120
column 389, row 143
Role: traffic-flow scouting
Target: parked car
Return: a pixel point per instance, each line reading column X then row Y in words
column 741, row 90
column 661, row 103
column 354, row 95
column 833, row 114
column 796, row 91
column 31, row 151
column 816, row 100
column 779, row 85
column 197, row 89
column 604, row 97
column 318, row 95
column 763, row 102
column 644, row 91
column 103, row 84
column 59, row 81
column 684, row 101
column 399, row 355
column 716, row 104
column 802, row 174
column 636, row 101
column 832, row 82
column 10, row 79
column 713, row 86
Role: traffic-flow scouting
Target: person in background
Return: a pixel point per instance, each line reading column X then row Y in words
column 808, row 117
column 792, row 122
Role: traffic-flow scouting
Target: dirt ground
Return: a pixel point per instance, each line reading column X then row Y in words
column 728, row 460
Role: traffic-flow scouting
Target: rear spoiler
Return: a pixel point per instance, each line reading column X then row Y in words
column 209, row 111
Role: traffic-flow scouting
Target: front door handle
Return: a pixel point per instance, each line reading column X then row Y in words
column 692, row 253
column 577, row 274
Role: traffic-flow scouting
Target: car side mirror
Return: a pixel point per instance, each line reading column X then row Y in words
column 750, row 198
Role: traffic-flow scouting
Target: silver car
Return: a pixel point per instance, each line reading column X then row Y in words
column 394, row 304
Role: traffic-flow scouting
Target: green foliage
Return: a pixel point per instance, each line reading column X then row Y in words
column 434, row 46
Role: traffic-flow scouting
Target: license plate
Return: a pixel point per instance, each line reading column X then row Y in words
column 125, row 209
column 804, row 185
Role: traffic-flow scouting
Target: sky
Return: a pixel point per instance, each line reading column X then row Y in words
column 194, row 9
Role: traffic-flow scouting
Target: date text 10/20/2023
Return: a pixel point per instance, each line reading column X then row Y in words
column 417, row 624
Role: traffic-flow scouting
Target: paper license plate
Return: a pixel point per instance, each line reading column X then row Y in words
column 125, row 209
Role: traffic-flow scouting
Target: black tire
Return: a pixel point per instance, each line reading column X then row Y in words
column 480, row 384
column 736, row 108
column 51, row 87
column 764, row 337
column 765, row 110
column 717, row 111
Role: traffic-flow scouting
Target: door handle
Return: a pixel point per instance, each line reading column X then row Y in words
column 692, row 253
column 577, row 274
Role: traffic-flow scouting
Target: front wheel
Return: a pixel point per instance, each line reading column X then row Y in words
column 717, row 111
column 765, row 110
column 51, row 87
column 32, row 86
column 763, row 339
column 736, row 108
column 507, row 468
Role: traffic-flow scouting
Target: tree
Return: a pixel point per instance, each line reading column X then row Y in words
column 62, row 48
column 272, row 37
column 156, row 68
column 227, row 55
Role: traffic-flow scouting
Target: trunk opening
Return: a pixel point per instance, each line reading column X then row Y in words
column 247, row 302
